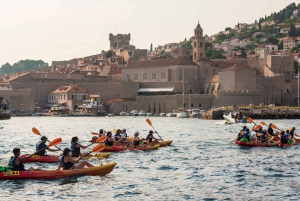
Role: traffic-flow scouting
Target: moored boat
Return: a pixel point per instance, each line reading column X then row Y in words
column 55, row 174
column 54, row 159
column 115, row 148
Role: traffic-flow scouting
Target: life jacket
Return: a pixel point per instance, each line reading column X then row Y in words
column 270, row 131
column 15, row 167
column 246, row 135
column 117, row 135
column 66, row 166
column 40, row 145
column 263, row 135
column 148, row 138
column 135, row 142
column 124, row 135
column 283, row 139
column 75, row 150
column 108, row 143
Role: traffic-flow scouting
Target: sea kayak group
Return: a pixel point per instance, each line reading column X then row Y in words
column 68, row 162
column 270, row 136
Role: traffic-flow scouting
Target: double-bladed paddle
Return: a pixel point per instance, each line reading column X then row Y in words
column 37, row 132
column 150, row 123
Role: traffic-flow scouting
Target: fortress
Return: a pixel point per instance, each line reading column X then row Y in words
column 156, row 84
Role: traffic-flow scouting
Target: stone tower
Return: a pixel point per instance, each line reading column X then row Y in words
column 117, row 41
column 198, row 43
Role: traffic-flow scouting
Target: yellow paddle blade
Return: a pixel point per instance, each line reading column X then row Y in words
column 149, row 122
column 36, row 131
column 274, row 126
column 101, row 139
column 258, row 134
column 250, row 119
column 115, row 130
column 263, row 123
column 98, row 148
column 95, row 133
column 241, row 132
column 55, row 142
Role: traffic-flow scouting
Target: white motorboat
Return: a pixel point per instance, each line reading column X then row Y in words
column 230, row 119
column 143, row 113
column 123, row 113
column 182, row 115
column 149, row 114
column 162, row 114
column 134, row 113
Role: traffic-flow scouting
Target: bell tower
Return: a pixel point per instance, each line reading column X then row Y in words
column 198, row 43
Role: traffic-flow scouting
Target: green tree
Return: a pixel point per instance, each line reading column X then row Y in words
column 108, row 54
column 293, row 31
column 6, row 68
column 220, row 38
column 272, row 40
column 259, row 24
column 294, row 49
column 255, row 22
column 280, row 45
column 244, row 55
column 187, row 44
column 227, row 28
column 214, row 54
column 151, row 47
column 208, row 45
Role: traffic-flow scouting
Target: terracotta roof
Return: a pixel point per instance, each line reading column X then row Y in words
column 182, row 60
column 119, row 100
column 212, row 79
column 295, row 54
column 115, row 70
column 235, row 68
column 70, row 89
column 288, row 38
column 56, row 76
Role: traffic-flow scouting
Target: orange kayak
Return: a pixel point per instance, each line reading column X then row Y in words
column 55, row 174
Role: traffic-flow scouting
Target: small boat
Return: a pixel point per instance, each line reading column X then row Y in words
column 54, row 159
column 143, row 113
column 162, row 114
column 230, row 119
column 171, row 115
column 116, row 148
column 149, row 114
column 134, row 113
column 160, row 143
column 182, row 115
column 123, row 113
column 55, row 174
column 257, row 144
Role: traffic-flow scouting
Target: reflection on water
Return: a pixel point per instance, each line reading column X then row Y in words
column 201, row 164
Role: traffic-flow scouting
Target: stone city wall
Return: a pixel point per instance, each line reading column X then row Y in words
column 19, row 99
column 233, row 97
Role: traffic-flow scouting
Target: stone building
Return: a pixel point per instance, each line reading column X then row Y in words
column 198, row 43
column 117, row 41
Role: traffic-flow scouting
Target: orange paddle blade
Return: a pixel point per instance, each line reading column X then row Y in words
column 274, row 126
column 115, row 130
column 98, row 148
column 101, row 139
column 250, row 119
column 36, row 131
column 95, row 133
column 263, row 123
column 149, row 122
column 55, row 142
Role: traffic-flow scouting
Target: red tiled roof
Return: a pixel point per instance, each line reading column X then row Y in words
column 115, row 70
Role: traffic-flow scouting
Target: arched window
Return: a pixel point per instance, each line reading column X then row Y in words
column 163, row 76
column 154, row 76
column 127, row 77
column 194, row 44
column 136, row 76
column 145, row 77
column 200, row 44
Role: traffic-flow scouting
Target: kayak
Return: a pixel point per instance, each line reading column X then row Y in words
column 257, row 144
column 160, row 143
column 54, row 159
column 297, row 138
column 55, row 174
column 131, row 148
column 5, row 168
column 287, row 145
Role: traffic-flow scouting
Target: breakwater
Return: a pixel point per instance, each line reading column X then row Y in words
column 257, row 113
column 4, row 116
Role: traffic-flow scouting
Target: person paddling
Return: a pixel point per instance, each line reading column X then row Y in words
column 41, row 147
column 292, row 132
column 75, row 147
column 101, row 132
column 247, row 134
column 150, row 139
column 109, row 139
column 67, row 162
column 15, row 161
column 137, row 140
column 118, row 136
column 270, row 130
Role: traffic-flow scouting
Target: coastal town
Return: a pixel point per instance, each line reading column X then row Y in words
column 246, row 65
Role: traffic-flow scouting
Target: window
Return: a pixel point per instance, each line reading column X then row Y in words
column 200, row 44
column 72, row 96
column 154, row 76
column 83, row 97
column 127, row 77
column 136, row 76
column 192, row 104
column 64, row 97
column 163, row 76
column 199, row 104
column 195, row 56
column 184, row 105
column 145, row 77
column 194, row 44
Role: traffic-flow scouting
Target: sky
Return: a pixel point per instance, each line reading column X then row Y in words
column 55, row 30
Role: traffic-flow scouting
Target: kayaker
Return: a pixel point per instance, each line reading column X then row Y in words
column 270, row 130
column 258, row 130
column 75, row 147
column 137, row 140
column 118, row 136
column 247, row 134
column 124, row 134
column 41, row 147
column 150, row 139
column 15, row 162
column 109, row 139
column 292, row 132
column 67, row 162
column 284, row 137
column 263, row 136
column 101, row 132
column 240, row 134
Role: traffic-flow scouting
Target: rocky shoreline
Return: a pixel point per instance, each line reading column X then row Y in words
column 257, row 113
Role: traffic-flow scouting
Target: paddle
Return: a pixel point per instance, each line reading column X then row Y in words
column 51, row 144
column 37, row 132
column 150, row 123
column 100, row 139
column 275, row 127
column 95, row 133
column 98, row 148
column 251, row 120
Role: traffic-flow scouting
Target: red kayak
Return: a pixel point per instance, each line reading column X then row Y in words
column 55, row 174
column 130, row 148
column 54, row 159
column 160, row 143
column 257, row 144
column 287, row 145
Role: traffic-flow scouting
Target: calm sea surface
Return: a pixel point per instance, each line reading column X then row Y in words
column 201, row 164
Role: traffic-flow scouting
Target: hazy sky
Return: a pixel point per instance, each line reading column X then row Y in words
column 54, row 30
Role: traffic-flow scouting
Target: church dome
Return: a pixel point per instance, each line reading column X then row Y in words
column 198, row 27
